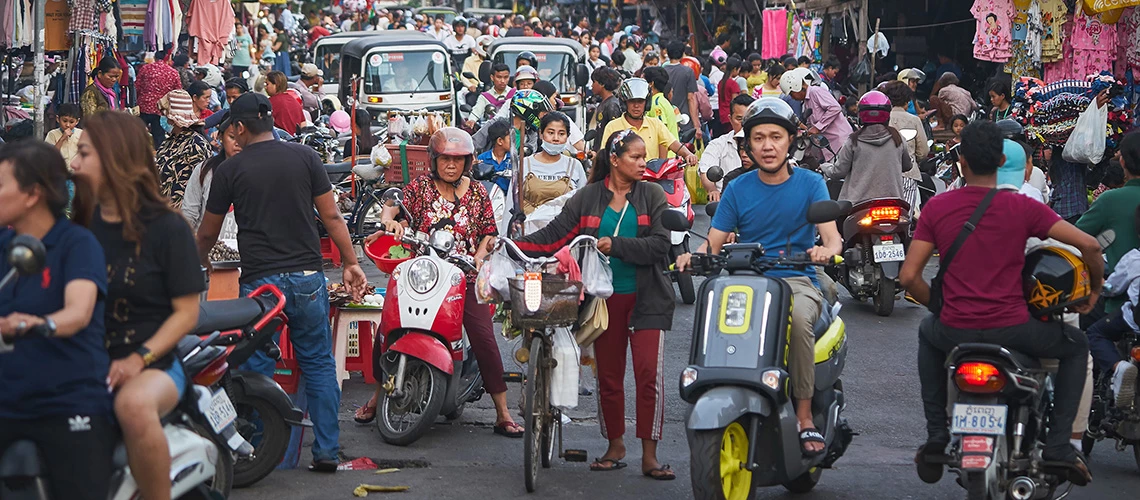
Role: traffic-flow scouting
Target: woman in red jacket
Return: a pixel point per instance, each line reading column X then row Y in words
column 287, row 111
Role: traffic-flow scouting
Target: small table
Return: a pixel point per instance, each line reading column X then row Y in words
column 343, row 322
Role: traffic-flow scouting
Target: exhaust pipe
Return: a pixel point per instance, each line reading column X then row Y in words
column 1022, row 488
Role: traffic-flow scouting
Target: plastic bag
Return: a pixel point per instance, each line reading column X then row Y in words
column 564, row 379
column 492, row 283
column 381, row 156
column 1086, row 143
column 597, row 278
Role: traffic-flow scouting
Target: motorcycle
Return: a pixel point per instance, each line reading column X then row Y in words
column 200, row 431
column 742, row 429
column 1108, row 421
column 321, row 139
column 487, row 176
column 875, row 237
column 422, row 350
column 669, row 173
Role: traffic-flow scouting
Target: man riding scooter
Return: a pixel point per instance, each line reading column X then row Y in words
column 766, row 208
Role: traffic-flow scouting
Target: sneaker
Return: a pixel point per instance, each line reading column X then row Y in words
column 1124, row 384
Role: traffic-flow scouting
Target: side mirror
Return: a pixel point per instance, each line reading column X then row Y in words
column 929, row 142
column 683, row 120
column 820, row 141
column 826, row 211
column 582, row 75
column 482, row 171
column 688, row 135
column 485, row 72
column 393, row 197
column 675, row 221
column 465, row 108
column 710, row 209
column 26, row 254
column 469, row 75
column 591, row 135
column 715, row 174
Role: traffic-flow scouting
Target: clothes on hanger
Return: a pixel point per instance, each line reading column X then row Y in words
column 132, row 14
column 211, row 21
column 992, row 36
column 774, row 33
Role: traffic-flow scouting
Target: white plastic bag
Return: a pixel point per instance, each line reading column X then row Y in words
column 380, row 156
column 597, row 278
column 1086, row 143
column 564, row 379
column 498, row 271
column 545, row 213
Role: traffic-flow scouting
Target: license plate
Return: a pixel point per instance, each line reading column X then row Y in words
column 889, row 253
column 978, row 419
column 221, row 413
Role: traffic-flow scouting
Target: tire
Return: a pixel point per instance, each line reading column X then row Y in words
column 223, row 480
column 806, row 482
column 534, row 401
column 685, row 285
column 547, row 437
column 976, row 487
column 366, row 224
column 456, row 413
column 1136, row 454
column 885, row 297
column 424, row 388
column 705, row 451
column 270, row 439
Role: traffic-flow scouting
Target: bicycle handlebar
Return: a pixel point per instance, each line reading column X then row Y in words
column 518, row 254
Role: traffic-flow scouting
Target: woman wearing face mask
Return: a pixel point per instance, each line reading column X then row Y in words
column 548, row 173
column 198, row 187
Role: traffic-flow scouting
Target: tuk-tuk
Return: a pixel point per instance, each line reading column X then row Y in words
column 449, row 14
column 326, row 55
column 559, row 62
column 401, row 70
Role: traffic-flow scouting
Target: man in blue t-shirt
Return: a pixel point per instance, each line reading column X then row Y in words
column 770, row 208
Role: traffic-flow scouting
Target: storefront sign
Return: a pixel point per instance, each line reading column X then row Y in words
column 1098, row 6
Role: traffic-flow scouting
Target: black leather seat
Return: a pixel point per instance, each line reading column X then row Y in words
column 226, row 315
column 1021, row 359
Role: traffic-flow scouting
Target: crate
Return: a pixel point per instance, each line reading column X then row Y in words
column 419, row 163
column 288, row 372
column 559, row 306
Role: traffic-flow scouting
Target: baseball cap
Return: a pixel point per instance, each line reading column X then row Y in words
column 309, row 70
column 1012, row 172
column 251, row 105
column 525, row 73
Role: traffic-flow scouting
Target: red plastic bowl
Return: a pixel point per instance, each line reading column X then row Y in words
column 378, row 251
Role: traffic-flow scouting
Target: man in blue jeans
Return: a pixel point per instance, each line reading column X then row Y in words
column 273, row 187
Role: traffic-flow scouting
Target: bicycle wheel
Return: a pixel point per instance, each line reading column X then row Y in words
column 368, row 215
column 534, row 407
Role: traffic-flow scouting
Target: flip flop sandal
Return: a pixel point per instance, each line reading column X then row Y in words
column 503, row 429
column 663, row 473
column 602, row 467
column 811, row 435
column 365, row 414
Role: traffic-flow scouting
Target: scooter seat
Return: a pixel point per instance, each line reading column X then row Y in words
column 1020, row 359
column 226, row 315
column 21, row 459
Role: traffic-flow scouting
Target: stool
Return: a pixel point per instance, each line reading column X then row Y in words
column 348, row 358
column 330, row 251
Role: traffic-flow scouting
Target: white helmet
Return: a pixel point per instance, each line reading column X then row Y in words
column 793, row 80
column 482, row 44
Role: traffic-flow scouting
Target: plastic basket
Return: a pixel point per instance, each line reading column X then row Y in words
column 419, row 163
column 559, row 307
column 379, row 249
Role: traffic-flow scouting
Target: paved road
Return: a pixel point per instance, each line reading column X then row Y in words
column 463, row 460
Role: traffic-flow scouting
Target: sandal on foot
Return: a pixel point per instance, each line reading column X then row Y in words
column 365, row 414
column 504, row 429
column 663, row 473
column 601, row 465
column 811, row 435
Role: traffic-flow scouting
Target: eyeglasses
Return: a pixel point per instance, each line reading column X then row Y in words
column 620, row 139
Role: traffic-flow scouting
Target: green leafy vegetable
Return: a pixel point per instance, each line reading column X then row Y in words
column 398, row 252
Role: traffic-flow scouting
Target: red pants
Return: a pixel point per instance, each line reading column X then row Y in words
column 481, row 334
column 648, row 348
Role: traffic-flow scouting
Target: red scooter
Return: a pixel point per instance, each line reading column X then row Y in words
column 422, row 350
column 669, row 173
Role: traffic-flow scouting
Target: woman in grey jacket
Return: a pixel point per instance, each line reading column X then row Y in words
column 874, row 158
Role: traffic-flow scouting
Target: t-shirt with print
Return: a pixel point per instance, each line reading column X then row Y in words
column 143, row 278
column 992, row 35
column 982, row 289
column 1053, row 14
column 267, row 183
column 46, row 377
column 564, row 167
column 773, row 215
column 1020, row 25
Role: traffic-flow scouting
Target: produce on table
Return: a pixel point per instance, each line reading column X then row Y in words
column 223, row 253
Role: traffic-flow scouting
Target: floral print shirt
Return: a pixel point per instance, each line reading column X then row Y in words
column 470, row 218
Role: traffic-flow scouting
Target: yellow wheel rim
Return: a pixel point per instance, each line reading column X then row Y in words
column 734, row 478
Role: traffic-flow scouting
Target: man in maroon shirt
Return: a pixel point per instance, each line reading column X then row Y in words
column 982, row 293
column 155, row 80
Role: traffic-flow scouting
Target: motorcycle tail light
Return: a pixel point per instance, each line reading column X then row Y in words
column 212, row 373
column 980, row 378
column 887, row 238
column 1135, row 353
column 880, row 214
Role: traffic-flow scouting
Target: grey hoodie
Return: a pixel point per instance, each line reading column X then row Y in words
column 872, row 166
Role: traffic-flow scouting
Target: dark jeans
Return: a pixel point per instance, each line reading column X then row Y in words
column 1102, row 340
column 154, row 124
column 1034, row 338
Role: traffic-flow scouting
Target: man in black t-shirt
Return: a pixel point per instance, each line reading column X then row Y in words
column 683, row 83
column 273, row 187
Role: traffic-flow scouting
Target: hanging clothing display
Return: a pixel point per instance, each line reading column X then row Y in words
column 211, row 21
column 82, row 15
column 1053, row 13
column 1128, row 42
column 1094, row 45
column 132, row 13
column 57, row 15
column 1020, row 26
column 1062, row 67
column 992, row 35
column 774, row 33
column 1021, row 64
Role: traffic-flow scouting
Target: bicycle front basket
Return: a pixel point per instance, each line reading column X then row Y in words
column 559, row 305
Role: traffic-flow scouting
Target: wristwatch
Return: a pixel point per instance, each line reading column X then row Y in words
column 148, row 357
column 49, row 327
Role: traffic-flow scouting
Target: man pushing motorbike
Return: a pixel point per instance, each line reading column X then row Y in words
column 769, row 208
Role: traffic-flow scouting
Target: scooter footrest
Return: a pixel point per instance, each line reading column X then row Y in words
column 513, row 377
column 574, row 455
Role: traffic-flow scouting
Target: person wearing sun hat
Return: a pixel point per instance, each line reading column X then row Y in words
column 183, row 149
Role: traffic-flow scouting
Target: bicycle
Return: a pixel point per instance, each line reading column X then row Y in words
column 363, row 214
column 541, row 304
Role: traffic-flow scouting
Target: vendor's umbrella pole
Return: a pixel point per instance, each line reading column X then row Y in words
column 38, row 72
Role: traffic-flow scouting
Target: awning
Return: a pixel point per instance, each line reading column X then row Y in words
column 1098, row 6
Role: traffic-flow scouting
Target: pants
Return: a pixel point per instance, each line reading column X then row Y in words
column 481, row 334
column 648, row 348
column 154, row 123
column 307, row 307
column 1035, row 338
column 806, row 306
column 76, row 450
column 1102, row 340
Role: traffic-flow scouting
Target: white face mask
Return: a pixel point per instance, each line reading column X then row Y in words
column 553, row 149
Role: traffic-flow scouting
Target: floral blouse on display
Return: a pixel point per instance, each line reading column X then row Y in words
column 470, row 218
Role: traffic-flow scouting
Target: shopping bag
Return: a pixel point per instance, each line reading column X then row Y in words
column 492, row 283
column 564, row 378
column 597, row 277
column 1086, row 143
column 693, row 182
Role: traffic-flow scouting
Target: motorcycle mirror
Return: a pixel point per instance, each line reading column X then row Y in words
column 485, row 72
column 929, row 142
column 827, row 210
column 675, row 221
column 821, row 142
column 465, row 108
column 683, row 120
column 468, row 75
column 710, row 209
column 26, row 255
column 908, row 134
column 715, row 174
column 582, row 76
column 393, row 197
column 590, row 136
column 688, row 135
column 482, row 171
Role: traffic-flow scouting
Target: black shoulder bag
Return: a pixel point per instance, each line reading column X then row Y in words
column 935, row 302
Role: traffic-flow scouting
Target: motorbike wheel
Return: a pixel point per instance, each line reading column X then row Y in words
column 715, row 464
column 368, row 218
column 976, row 487
column 685, row 285
column 265, row 428
column 885, row 297
column 456, row 413
column 534, row 404
column 223, row 481
column 805, row 482
column 424, row 389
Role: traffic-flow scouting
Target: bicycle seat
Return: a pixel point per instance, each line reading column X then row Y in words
column 226, row 315
column 344, row 167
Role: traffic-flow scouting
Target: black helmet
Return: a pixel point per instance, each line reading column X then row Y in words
column 770, row 110
column 459, row 21
column 1054, row 278
column 1011, row 129
column 529, row 57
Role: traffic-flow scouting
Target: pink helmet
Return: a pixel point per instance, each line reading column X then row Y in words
column 874, row 107
column 340, row 121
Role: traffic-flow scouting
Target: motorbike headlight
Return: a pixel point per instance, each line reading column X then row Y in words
column 422, row 275
column 688, row 376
